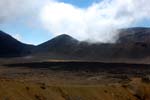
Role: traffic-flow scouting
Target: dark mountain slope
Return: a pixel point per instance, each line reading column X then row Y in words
column 137, row 34
column 10, row 47
column 133, row 43
column 60, row 44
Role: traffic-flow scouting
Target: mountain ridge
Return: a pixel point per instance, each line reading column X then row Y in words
column 10, row 47
column 132, row 43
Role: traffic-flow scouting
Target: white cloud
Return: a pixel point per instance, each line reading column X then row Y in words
column 17, row 36
column 11, row 10
column 97, row 22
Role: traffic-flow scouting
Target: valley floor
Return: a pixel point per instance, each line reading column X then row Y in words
column 56, row 80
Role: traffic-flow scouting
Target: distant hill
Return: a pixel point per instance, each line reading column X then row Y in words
column 132, row 43
column 137, row 34
column 10, row 47
column 60, row 44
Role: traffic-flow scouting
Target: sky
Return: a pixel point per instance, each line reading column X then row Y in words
column 36, row 21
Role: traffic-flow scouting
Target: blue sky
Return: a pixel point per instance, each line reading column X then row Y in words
column 21, row 27
column 27, row 33
column 80, row 3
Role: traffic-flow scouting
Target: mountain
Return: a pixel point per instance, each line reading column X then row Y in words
column 67, row 46
column 133, row 43
column 136, row 34
column 10, row 47
column 61, row 44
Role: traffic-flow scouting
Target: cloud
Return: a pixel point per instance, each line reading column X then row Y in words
column 97, row 22
column 17, row 36
column 11, row 10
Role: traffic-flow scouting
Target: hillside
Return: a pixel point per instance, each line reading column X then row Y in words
column 60, row 44
column 133, row 43
column 10, row 47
